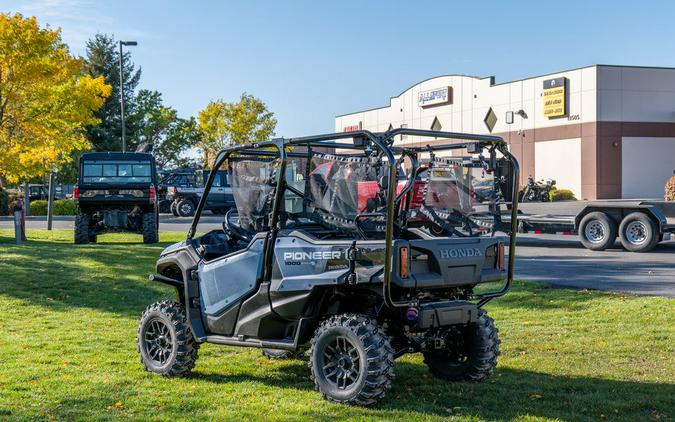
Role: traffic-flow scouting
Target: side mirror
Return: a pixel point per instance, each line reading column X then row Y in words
column 505, row 176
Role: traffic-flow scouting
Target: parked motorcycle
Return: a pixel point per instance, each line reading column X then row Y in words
column 537, row 191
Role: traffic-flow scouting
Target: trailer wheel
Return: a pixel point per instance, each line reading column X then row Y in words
column 597, row 231
column 638, row 232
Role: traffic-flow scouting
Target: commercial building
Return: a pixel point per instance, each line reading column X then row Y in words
column 603, row 131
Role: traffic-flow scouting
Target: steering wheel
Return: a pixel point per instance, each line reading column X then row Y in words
column 232, row 230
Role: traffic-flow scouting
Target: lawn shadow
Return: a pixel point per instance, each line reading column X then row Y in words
column 110, row 277
column 508, row 394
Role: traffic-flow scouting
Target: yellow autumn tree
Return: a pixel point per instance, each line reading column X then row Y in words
column 222, row 124
column 46, row 100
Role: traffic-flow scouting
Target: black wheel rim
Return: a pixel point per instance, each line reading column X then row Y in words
column 341, row 363
column 158, row 341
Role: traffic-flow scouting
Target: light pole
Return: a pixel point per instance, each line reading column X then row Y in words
column 124, row 128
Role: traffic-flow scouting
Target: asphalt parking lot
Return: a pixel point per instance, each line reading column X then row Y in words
column 556, row 260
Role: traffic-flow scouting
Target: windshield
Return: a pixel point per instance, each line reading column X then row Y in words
column 253, row 184
column 116, row 172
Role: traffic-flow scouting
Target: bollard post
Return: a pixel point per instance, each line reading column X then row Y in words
column 17, row 223
column 17, row 227
column 22, row 208
column 50, row 201
column 26, row 198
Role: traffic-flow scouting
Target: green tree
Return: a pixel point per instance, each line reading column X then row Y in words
column 46, row 99
column 102, row 59
column 222, row 124
column 155, row 123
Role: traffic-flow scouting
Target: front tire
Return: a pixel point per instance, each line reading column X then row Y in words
column 597, row 231
column 165, row 342
column 470, row 354
column 150, row 227
column 638, row 232
column 351, row 360
column 82, row 229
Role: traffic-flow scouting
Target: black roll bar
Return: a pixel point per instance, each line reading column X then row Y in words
column 482, row 140
column 384, row 143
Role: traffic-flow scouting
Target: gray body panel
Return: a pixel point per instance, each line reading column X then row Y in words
column 224, row 281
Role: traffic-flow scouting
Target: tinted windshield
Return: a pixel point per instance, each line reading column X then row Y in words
column 117, row 172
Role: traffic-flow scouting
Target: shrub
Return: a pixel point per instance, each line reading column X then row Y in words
column 61, row 207
column 4, row 202
column 562, row 195
column 38, row 207
column 65, row 207
column 670, row 189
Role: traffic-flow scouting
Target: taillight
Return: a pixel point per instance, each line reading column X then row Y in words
column 500, row 256
column 152, row 192
column 403, row 262
column 76, row 193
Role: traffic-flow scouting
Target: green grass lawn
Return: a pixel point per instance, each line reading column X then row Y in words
column 68, row 351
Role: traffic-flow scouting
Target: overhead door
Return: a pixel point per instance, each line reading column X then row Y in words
column 646, row 165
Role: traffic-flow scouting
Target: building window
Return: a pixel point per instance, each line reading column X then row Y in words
column 403, row 126
column 436, row 125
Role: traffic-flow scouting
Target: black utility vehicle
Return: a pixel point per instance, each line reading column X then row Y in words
column 116, row 191
column 319, row 253
column 185, row 193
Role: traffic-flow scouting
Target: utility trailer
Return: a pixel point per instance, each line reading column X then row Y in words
column 639, row 225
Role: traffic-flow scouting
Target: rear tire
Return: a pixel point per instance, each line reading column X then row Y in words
column 164, row 340
column 351, row 360
column 150, row 227
column 82, row 229
column 597, row 231
column 474, row 356
column 638, row 232
column 185, row 208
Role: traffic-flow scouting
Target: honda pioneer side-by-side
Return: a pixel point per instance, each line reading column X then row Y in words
column 352, row 247
column 116, row 191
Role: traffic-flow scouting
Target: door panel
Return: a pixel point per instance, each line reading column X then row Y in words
column 226, row 281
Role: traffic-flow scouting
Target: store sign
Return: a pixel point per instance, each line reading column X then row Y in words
column 352, row 128
column 554, row 97
column 435, row 97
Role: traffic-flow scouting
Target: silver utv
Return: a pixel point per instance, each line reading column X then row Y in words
column 353, row 247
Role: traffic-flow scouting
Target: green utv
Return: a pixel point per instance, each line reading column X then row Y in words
column 361, row 250
column 116, row 191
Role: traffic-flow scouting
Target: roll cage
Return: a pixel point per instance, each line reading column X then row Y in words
column 397, row 204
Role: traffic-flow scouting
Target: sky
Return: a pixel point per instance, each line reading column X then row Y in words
column 312, row 60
